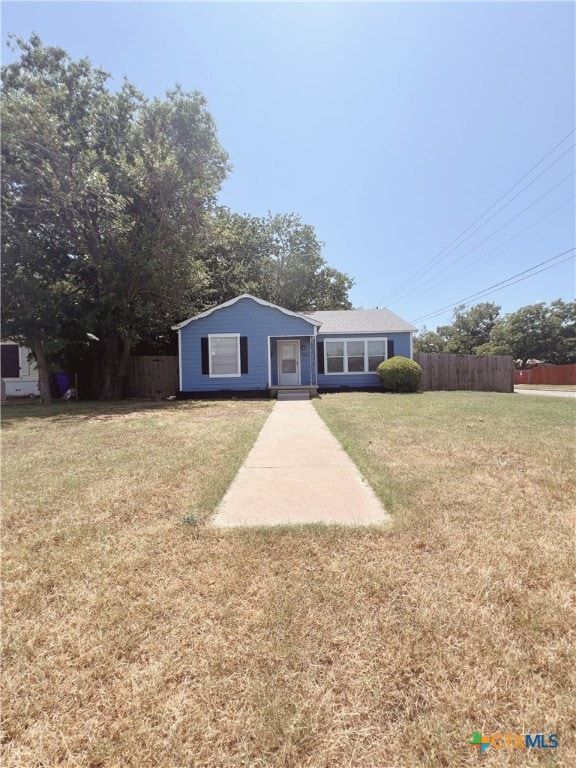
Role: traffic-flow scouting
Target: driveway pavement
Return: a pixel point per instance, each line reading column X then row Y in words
column 545, row 392
column 296, row 473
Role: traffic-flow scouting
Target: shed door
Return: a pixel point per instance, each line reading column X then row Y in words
column 288, row 363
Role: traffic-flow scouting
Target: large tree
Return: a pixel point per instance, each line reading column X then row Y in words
column 278, row 258
column 51, row 109
column 104, row 195
column 296, row 274
column 110, row 223
column 536, row 332
column 565, row 315
column 469, row 329
column 234, row 250
column 429, row 342
column 169, row 181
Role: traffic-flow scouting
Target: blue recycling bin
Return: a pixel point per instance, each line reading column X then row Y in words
column 63, row 383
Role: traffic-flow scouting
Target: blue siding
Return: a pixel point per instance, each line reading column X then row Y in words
column 361, row 380
column 250, row 319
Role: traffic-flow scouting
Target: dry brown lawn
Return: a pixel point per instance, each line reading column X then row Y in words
column 134, row 640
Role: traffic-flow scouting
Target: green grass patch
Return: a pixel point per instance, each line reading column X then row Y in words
column 132, row 640
column 444, row 442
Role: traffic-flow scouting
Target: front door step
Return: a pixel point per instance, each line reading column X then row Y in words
column 293, row 394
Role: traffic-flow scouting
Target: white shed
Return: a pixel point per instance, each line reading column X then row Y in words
column 19, row 375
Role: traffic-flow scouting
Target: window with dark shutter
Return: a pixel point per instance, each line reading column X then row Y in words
column 320, row 356
column 205, row 358
column 243, row 354
column 390, row 348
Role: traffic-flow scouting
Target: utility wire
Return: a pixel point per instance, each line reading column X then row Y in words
column 459, row 258
column 437, row 258
column 493, row 250
column 455, row 261
column 503, row 283
column 489, row 291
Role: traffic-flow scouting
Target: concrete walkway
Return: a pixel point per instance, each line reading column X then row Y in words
column 297, row 472
column 544, row 392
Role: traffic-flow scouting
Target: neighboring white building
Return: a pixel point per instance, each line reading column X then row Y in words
column 20, row 376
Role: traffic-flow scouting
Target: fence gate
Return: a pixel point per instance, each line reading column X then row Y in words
column 152, row 376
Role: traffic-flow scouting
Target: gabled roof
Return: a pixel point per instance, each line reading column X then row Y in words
column 300, row 315
column 361, row 321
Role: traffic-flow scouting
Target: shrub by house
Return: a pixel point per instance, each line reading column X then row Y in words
column 399, row 374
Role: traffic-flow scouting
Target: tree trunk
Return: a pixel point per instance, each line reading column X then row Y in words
column 122, row 369
column 117, row 357
column 43, row 374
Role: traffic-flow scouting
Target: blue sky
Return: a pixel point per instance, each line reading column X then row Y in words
column 388, row 127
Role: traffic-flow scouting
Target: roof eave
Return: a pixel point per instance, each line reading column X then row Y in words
column 262, row 302
column 364, row 330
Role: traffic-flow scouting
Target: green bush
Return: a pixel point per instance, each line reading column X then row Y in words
column 399, row 374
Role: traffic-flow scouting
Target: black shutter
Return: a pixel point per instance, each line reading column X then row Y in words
column 320, row 356
column 205, row 360
column 10, row 361
column 390, row 348
column 243, row 354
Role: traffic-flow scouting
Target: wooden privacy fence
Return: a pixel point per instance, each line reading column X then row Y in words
column 152, row 376
column 547, row 374
column 491, row 373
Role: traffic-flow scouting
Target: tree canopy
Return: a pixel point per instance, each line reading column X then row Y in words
column 110, row 217
column 544, row 332
column 469, row 329
column 277, row 257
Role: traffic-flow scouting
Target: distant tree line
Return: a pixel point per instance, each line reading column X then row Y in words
column 544, row 332
column 110, row 221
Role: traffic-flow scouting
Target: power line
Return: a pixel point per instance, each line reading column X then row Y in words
column 455, row 261
column 459, row 258
column 437, row 258
column 492, row 250
column 503, row 283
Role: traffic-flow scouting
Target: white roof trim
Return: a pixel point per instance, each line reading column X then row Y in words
column 299, row 315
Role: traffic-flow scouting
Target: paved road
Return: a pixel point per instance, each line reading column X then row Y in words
column 545, row 392
column 297, row 472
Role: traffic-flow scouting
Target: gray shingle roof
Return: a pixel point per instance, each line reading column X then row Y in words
column 360, row 321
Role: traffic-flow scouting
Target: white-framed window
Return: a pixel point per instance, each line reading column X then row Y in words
column 354, row 355
column 376, row 352
column 224, row 354
column 334, row 352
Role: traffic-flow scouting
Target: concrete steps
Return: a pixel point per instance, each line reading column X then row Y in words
column 293, row 394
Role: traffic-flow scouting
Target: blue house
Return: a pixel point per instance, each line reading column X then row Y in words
column 248, row 345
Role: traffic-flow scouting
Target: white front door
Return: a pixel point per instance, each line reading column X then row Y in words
column 288, row 363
